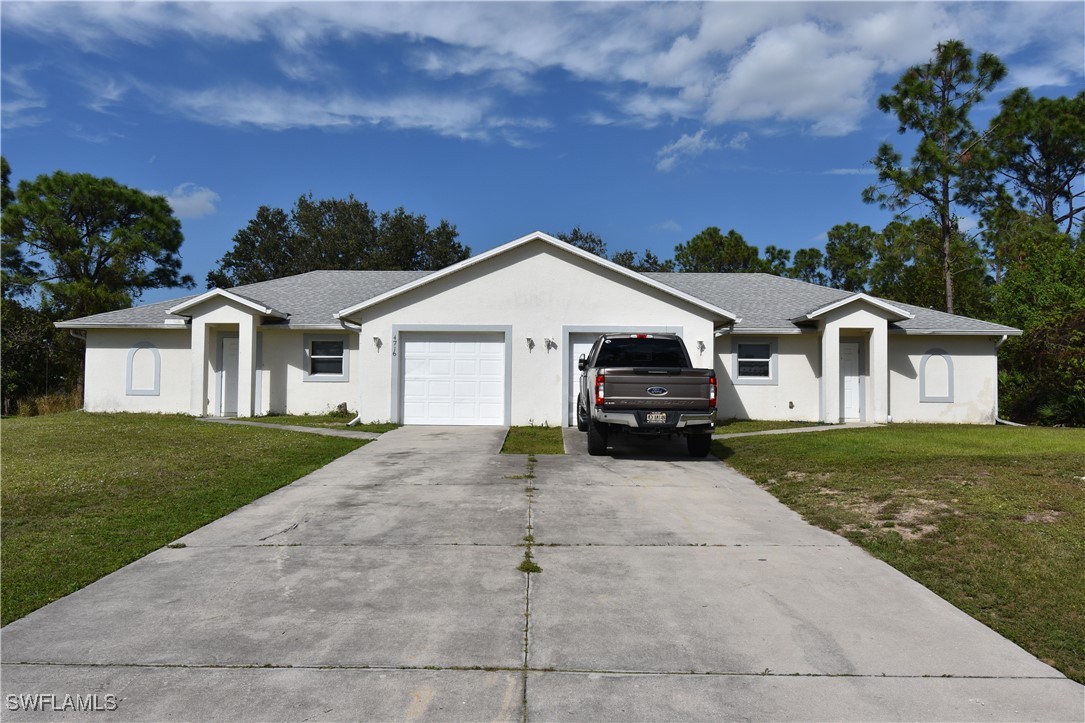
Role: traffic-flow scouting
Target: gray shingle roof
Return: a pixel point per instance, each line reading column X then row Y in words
column 310, row 299
column 767, row 302
column 763, row 302
column 143, row 315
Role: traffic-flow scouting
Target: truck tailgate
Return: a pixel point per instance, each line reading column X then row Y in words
column 653, row 388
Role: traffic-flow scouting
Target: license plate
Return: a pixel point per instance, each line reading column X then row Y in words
column 656, row 417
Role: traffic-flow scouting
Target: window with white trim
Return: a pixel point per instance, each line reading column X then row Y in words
column 327, row 358
column 753, row 361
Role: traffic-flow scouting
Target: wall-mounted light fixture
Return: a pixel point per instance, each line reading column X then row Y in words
column 550, row 344
column 530, row 343
column 377, row 342
column 700, row 346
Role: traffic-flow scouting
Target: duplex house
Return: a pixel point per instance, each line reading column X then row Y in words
column 495, row 340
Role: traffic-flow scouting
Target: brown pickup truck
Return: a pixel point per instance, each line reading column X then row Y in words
column 643, row 384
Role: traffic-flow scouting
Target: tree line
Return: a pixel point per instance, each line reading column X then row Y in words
column 1021, row 180
column 75, row 245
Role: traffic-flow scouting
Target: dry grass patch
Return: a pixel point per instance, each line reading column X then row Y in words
column 990, row 518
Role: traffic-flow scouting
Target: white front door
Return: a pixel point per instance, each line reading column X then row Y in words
column 453, row 378
column 228, row 376
column 850, row 402
column 578, row 344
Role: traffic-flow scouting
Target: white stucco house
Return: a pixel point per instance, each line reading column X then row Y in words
column 495, row 339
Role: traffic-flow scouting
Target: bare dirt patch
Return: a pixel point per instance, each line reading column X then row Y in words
column 1045, row 516
column 912, row 521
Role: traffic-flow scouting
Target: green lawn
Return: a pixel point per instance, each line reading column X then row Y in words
column 742, row 426
column 533, row 440
column 990, row 518
column 327, row 421
column 85, row 494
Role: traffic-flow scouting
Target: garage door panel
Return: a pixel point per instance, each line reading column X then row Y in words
column 453, row 378
column 438, row 367
column 491, row 410
column 491, row 391
column 466, row 367
column 579, row 343
column 465, row 412
column 465, row 389
column 438, row 389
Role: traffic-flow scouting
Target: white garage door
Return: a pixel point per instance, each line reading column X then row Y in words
column 578, row 344
column 453, row 378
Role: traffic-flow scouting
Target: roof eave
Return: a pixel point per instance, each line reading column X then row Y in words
column 772, row 330
column 957, row 332
column 119, row 325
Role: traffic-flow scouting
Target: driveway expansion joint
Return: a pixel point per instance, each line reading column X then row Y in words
column 528, row 669
column 528, row 567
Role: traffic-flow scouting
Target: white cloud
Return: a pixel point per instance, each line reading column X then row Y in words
column 23, row 103
column 104, row 93
column 76, row 130
column 808, row 66
column 739, row 141
column 191, row 201
column 687, row 146
column 278, row 109
column 866, row 171
column 597, row 118
column 670, row 225
column 798, row 73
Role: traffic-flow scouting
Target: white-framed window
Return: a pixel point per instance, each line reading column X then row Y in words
column 754, row 361
column 327, row 358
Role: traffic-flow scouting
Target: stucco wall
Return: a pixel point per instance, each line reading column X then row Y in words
column 795, row 396
column 975, row 379
column 537, row 290
column 107, row 355
column 281, row 381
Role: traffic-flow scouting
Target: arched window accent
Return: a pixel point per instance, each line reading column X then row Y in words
column 143, row 371
column 936, row 377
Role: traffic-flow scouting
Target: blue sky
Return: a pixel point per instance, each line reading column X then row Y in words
column 642, row 122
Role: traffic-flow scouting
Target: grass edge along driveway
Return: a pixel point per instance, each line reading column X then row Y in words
column 992, row 519
column 85, row 494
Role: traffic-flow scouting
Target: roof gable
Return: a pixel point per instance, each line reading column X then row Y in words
column 892, row 313
column 234, row 297
column 540, row 237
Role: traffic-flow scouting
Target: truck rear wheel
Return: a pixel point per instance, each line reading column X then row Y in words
column 699, row 444
column 597, row 439
column 581, row 416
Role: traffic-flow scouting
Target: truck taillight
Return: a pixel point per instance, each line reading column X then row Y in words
column 712, row 391
column 600, row 397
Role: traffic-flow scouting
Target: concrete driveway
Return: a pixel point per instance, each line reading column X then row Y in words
column 385, row 587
